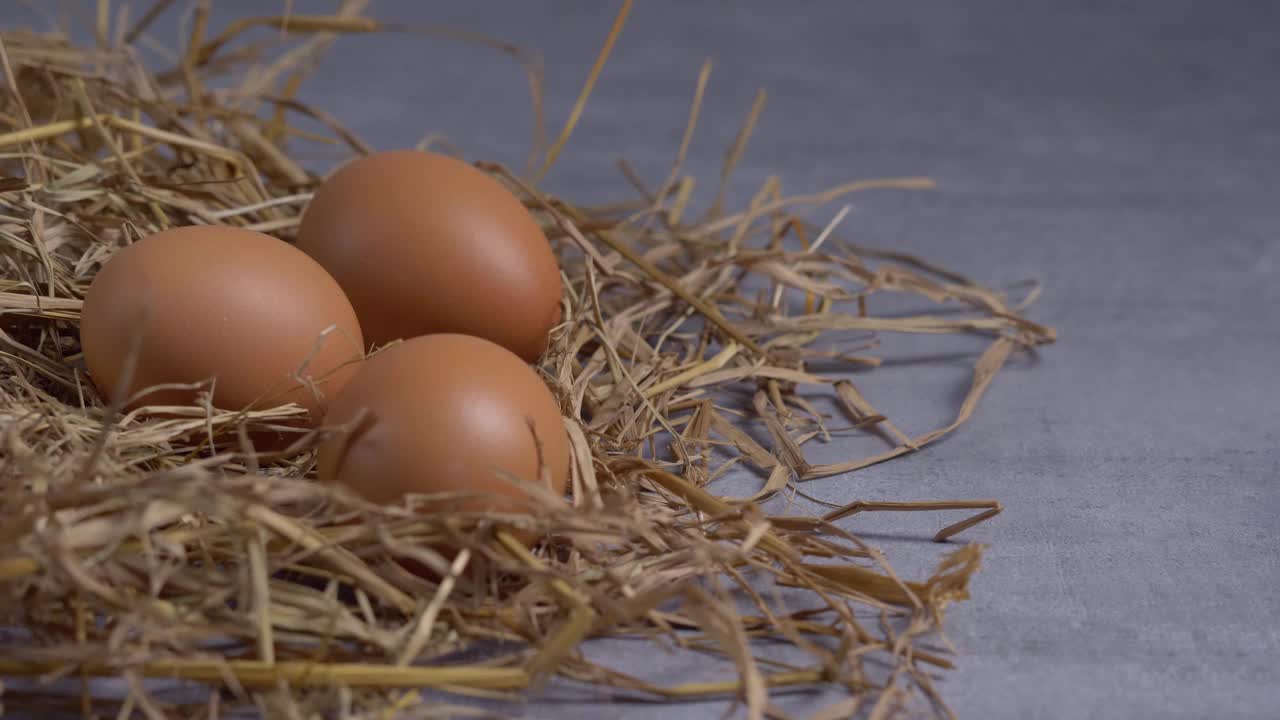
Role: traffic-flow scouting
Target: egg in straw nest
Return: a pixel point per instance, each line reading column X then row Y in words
column 193, row 528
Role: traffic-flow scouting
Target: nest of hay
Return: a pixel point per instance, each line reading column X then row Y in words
column 163, row 550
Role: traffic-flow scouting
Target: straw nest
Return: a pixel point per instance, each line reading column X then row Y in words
column 141, row 546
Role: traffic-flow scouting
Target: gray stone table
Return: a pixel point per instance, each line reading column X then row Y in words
column 1127, row 154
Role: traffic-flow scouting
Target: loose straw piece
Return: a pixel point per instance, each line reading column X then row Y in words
column 261, row 675
column 554, row 151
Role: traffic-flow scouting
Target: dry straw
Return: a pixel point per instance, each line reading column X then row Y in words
column 143, row 545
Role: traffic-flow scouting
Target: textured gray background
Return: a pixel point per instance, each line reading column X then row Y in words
column 1126, row 154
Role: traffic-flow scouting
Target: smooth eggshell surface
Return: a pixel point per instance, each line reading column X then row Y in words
column 424, row 243
column 245, row 309
column 439, row 414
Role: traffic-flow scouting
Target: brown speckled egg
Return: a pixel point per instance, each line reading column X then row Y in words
column 440, row 414
column 242, row 308
column 424, row 243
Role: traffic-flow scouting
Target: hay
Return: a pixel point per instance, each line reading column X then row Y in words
column 150, row 545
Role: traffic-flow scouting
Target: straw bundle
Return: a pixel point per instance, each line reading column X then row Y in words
column 147, row 545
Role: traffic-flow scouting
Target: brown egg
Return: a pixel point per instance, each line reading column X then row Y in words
column 240, row 307
column 423, row 243
column 441, row 414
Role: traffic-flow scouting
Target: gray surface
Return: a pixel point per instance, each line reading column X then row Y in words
column 1127, row 154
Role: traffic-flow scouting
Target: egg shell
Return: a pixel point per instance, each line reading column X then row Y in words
column 211, row 302
column 424, row 243
column 441, row 414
